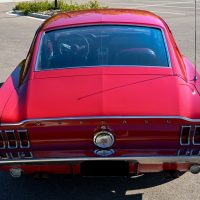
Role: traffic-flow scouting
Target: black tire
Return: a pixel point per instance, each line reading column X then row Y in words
column 1, row 84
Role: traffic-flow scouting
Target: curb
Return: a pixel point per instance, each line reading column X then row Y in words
column 35, row 15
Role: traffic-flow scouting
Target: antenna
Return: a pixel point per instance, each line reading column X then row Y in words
column 195, row 41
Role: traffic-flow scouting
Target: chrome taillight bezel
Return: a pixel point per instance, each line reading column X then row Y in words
column 26, row 154
column 24, row 131
column 8, row 132
column 5, row 157
column 3, row 140
column 15, row 157
column 194, row 134
column 181, row 135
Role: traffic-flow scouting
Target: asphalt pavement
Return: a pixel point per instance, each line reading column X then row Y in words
column 16, row 33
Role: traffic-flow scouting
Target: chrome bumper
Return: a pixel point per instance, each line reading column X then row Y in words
column 141, row 160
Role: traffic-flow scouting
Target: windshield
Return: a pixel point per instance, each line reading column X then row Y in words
column 102, row 45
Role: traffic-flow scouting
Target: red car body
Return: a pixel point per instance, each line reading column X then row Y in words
column 48, row 119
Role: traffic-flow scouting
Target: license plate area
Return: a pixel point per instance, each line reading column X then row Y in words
column 105, row 168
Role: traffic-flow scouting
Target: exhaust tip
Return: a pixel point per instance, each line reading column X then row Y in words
column 195, row 169
column 16, row 172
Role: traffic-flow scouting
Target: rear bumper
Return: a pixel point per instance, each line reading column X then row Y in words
column 77, row 160
column 73, row 165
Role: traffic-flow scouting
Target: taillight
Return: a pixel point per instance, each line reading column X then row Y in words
column 195, row 152
column 14, row 143
column 196, row 135
column 185, row 135
column 3, row 156
column 2, row 141
column 15, row 155
column 183, row 152
column 26, row 154
column 24, row 139
column 12, row 140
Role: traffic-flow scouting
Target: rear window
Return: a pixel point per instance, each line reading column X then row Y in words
column 102, row 45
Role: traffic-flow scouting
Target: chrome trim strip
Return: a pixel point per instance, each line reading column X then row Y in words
column 20, row 139
column 95, row 66
column 141, row 160
column 15, row 139
column 194, row 133
column 167, row 48
column 188, row 140
column 178, row 152
column 99, row 118
column 3, row 140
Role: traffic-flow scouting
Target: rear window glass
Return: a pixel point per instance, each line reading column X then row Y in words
column 102, row 45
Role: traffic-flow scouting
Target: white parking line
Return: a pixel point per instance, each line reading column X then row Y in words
column 178, row 7
column 34, row 18
column 164, row 4
column 164, row 12
column 12, row 14
column 12, row 1
column 153, row 5
column 158, row 11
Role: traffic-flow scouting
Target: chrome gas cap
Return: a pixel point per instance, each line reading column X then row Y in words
column 104, row 139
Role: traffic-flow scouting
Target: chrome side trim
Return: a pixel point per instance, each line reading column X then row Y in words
column 181, row 135
column 12, row 132
column 194, row 133
column 141, row 160
column 21, row 139
column 3, row 140
column 34, row 120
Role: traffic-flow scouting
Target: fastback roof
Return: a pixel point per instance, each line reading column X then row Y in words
column 104, row 16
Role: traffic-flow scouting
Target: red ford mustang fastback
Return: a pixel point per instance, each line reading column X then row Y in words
column 102, row 91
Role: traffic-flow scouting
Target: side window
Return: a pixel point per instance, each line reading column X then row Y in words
column 24, row 69
column 26, row 64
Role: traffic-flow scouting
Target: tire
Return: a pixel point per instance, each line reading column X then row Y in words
column 1, row 84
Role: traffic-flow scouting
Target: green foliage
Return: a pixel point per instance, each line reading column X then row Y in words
column 93, row 4
column 27, row 7
column 41, row 6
